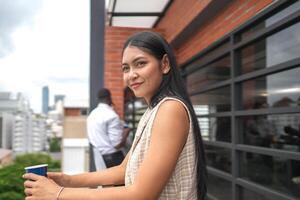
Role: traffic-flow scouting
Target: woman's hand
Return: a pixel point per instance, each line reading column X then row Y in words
column 60, row 178
column 39, row 187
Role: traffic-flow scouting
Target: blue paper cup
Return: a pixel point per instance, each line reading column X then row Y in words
column 37, row 169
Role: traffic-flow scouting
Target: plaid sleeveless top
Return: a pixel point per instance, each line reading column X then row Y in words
column 182, row 183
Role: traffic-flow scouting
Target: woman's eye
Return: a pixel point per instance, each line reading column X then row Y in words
column 125, row 68
column 141, row 63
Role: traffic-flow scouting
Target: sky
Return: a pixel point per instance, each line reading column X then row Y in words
column 45, row 43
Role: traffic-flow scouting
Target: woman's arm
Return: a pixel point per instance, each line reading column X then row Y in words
column 111, row 176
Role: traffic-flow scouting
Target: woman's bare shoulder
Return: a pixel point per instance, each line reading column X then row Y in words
column 173, row 107
column 172, row 115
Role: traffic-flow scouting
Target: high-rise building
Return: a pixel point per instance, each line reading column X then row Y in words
column 29, row 133
column 59, row 97
column 20, row 129
column 10, row 102
column 9, row 105
column 45, row 100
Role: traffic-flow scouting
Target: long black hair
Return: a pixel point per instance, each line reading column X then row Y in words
column 173, row 85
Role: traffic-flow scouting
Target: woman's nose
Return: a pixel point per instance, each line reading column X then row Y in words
column 133, row 75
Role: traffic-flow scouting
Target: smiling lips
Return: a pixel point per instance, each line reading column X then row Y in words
column 135, row 85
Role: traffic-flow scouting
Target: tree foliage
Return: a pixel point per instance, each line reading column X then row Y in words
column 55, row 144
column 11, row 181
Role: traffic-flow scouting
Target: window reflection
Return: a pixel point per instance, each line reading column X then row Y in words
column 275, row 172
column 275, row 49
column 219, row 188
column 252, row 57
column 271, row 131
column 276, row 90
column 208, row 56
column 134, row 108
column 259, row 131
column 295, row 7
column 216, row 129
column 268, row 22
column 212, row 73
column 283, row 46
column 249, row 195
column 215, row 100
column 219, row 158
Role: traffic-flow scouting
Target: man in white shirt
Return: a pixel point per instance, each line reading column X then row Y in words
column 106, row 132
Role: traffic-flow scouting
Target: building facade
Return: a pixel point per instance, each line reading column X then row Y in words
column 45, row 99
column 29, row 133
column 74, row 140
column 241, row 64
column 20, row 129
column 10, row 104
column 6, row 126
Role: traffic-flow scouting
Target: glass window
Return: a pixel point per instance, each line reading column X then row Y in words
column 207, row 57
column 210, row 74
column 213, row 101
column 268, row 22
column 134, row 110
column 276, row 90
column 215, row 128
column 295, row 7
column 271, row 131
column 278, row 173
column 250, row 195
column 275, row 49
column 219, row 188
column 283, row 46
column 218, row 157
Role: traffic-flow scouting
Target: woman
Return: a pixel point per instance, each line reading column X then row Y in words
column 166, row 160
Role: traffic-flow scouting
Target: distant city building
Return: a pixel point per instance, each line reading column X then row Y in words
column 9, row 105
column 6, row 129
column 45, row 100
column 75, row 138
column 10, row 102
column 20, row 129
column 59, row 97
column 29, row 133
column 75, row 107
column 55, row 119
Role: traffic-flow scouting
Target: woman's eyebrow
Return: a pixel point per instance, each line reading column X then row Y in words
column 138, row 58
column 134, row 60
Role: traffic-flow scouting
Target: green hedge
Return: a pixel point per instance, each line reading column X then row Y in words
column 55, row 144
column 11, row 181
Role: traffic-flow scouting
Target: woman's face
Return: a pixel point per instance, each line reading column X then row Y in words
column 142, row 72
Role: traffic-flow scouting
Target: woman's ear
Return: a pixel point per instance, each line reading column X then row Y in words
column 165, row 63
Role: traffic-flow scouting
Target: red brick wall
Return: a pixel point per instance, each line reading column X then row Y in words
column 179, row 15
column 233, row 15
column 115, row 38
column 72, row 112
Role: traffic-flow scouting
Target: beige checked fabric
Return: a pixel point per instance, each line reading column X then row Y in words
column 182, row 183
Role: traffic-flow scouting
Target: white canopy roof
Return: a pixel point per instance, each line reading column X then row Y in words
column 135, row 13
